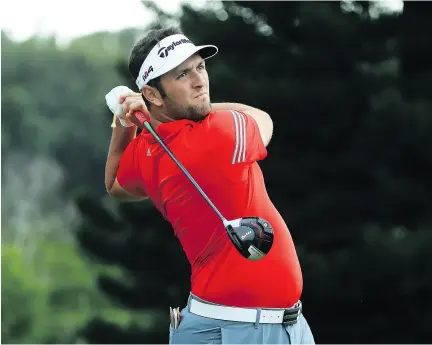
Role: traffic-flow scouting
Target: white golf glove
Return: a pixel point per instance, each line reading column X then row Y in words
column 112, row 101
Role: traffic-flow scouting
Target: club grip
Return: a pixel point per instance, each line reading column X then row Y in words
column 141, row 117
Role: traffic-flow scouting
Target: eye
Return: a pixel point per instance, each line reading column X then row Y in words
column 201, row 67
column 182, row 75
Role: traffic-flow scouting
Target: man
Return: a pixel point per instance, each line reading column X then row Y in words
column 219, row 144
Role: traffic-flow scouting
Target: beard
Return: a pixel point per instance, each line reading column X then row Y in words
column 192, row 112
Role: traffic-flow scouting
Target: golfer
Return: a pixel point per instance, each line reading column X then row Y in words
column 232, row 299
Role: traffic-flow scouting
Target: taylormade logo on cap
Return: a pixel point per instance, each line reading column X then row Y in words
column 163, row 52
column 167, row 55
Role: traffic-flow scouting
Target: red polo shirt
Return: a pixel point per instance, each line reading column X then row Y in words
column 221, row 153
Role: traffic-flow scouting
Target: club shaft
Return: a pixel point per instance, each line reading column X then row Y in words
column 148, row 126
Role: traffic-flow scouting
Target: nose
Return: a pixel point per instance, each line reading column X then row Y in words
column 198, row 81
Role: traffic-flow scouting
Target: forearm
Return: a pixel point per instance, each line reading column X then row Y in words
column 120, row 139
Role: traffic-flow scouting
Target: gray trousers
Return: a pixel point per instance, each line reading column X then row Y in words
column 195, row 329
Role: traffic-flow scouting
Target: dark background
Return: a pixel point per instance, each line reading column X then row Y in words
column 349, row 168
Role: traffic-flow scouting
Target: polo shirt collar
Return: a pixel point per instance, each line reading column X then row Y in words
column 166, row 130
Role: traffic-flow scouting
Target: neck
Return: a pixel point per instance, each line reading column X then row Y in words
column 159, row 116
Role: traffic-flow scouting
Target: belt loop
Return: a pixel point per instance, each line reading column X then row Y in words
column 258, row 315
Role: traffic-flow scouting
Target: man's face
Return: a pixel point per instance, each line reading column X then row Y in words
column 187, row 90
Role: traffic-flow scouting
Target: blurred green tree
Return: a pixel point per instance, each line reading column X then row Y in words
column 55, row 97
column 156, row 273
column 47, row 294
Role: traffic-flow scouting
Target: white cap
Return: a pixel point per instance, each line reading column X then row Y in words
column 168, row 54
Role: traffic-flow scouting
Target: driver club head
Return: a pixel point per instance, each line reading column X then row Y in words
column 253, row 237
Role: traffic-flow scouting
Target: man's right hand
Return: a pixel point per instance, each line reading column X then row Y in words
column 130, row 103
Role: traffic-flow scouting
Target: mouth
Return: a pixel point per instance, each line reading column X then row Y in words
column 201, row 94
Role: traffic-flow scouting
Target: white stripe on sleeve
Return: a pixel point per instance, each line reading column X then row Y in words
column 239, row 154
column 243, row 121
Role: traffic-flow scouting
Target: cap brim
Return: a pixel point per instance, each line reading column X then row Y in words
column 207, row 51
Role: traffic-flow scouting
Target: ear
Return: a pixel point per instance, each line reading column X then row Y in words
column 152, row 95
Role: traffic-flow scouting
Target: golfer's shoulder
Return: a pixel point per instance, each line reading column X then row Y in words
column 218, row 117
column 222, row 121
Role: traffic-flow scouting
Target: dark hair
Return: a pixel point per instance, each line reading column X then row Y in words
column 140, row 51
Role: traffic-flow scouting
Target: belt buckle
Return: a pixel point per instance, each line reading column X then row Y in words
column 290, row 316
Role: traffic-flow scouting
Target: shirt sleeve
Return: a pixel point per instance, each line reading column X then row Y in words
column 236, row 138
column 129, row 171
